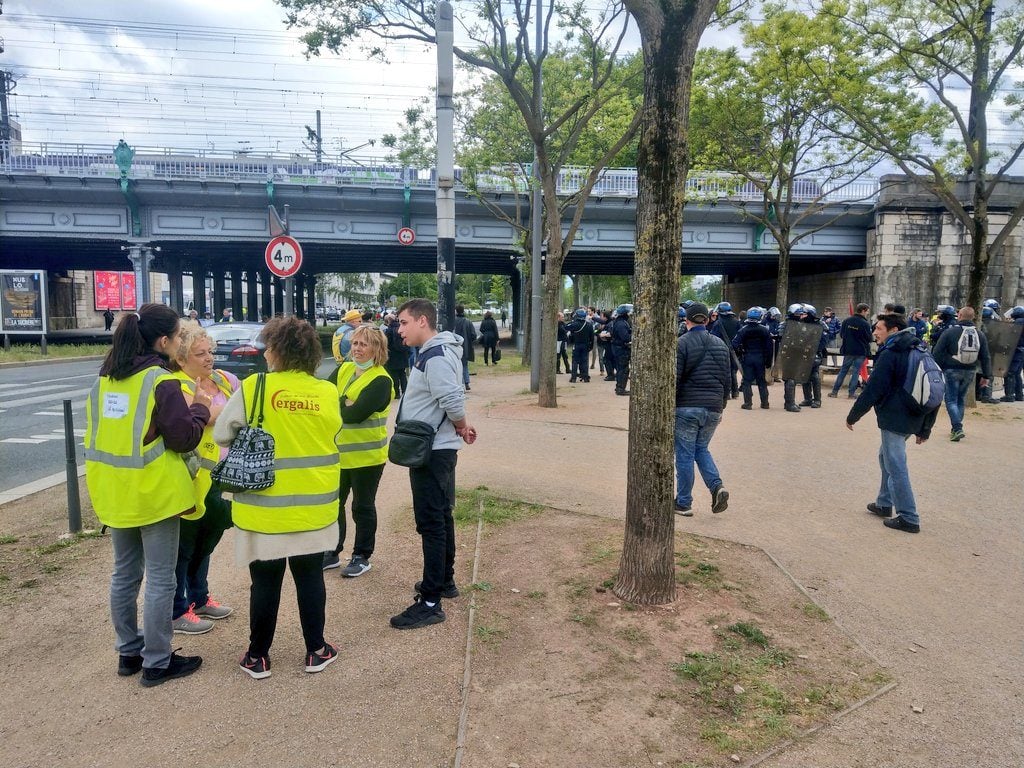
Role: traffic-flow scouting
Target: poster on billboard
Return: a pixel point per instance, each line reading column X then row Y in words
column 22, row 302
column 107, row 289
column 128, row 291
column 114, row 290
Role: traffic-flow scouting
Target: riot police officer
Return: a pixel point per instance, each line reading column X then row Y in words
column 753, row 344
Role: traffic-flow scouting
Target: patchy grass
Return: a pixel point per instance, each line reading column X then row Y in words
column 481, row 586
column 8, row 539
column 23, row 353
column 495, row 510
column 691, row 572
column 813, row 611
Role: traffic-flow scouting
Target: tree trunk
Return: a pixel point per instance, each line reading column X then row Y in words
column 978, row 273
column 551, row 295
column 782, row 281
column 527, row 326
column 670, row 32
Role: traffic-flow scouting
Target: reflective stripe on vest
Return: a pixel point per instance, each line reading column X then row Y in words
column 365, row 443
column 131, row 484
column 302, row 414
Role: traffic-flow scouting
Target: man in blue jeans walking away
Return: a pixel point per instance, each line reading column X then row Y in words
column 855, row 348
column 703, row 388
column 958, row 352
column 897, row 421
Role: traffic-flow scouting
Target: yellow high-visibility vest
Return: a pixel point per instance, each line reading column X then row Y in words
column 207, row 450
column 131, row 484
column 302, row 414
column 364, row 444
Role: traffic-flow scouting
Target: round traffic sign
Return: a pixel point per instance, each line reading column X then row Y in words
column 406, row 236
column 283, row 256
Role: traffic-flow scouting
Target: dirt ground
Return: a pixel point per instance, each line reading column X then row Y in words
column 940, row 610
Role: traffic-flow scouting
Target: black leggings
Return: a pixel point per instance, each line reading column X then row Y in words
column 265, row 598
column 363, row 482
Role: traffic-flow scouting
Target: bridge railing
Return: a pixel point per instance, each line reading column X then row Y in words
column 79, row 160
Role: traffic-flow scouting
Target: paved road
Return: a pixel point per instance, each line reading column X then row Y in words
column 32, row 417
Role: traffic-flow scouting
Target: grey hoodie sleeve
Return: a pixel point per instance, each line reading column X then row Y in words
column 444, row 377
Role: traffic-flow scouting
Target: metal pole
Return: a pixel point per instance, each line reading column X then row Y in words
column 536, row 212
column 74, row 503
column 319, row 139
column 445, row 27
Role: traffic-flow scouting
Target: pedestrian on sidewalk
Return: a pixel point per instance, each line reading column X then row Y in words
column 855, row 347
column 489, row 337
column 703, row 389
column 195, row 609
column 464, row 330
column 884, row 392
column 364, row 390
column 436, row 396
column 108, row 319
column 137, row 426
column 294, row 521
column 960, row 351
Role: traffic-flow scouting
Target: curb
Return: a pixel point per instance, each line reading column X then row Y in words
column 54, row 361
column 37, row 486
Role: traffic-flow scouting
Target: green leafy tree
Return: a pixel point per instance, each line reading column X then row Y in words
column 945, row 49
column 500, row 34
column 415, row 145
column 797, row 152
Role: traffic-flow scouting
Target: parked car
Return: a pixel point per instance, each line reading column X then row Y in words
column 238, row 348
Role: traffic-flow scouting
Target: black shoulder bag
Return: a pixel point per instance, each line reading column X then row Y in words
column 413, row 440
column 249, row 465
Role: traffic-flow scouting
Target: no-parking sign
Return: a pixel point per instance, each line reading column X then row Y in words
column 283, row 256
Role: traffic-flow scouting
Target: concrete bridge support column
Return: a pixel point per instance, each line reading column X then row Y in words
column 265, row 294
column 252, row 306
column 300, row 295
column 311, row 298
column 278, row 296
column 236, row 294
column 175, row 283
column 219, row 293
column 199, row 287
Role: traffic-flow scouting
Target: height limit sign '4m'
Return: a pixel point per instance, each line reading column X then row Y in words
column 283, row 256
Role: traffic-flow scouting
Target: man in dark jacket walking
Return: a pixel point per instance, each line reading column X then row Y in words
column 958, row 363
column 855, row 347
column 897, row 421
column 703, row 388
column 464, row 327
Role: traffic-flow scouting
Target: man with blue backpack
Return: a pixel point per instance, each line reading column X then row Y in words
column 905, row 389
column 958, row 352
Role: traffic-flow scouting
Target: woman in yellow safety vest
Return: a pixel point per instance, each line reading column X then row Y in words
column 365, row 390
column 194, row 608
column 294, row 521
column 138, row 425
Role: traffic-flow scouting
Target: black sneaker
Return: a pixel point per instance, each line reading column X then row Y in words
column 448, row 591
column 747, row 406
column 805, row 403
column 880, row 511
column 833, row 394
column 256, row 667
column 180, row 666
column 417, row 615
column 331, row 560
column 683, row 510
column 623, row 392
column 815, row 403
column 608, row 378
column 357, row 566
column 899, row 524
column 316, row 662
column 719, row 499
column 765, row 406
column 793, row 408
column 129, row 665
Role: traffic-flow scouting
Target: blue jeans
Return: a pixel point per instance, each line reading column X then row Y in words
column 151, row 550
column 465, row 372
column 958, row 381
column 895, row 490
column 853, row 362
column 694, row 429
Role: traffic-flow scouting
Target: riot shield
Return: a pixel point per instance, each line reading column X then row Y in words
column 1003, row 339
column 797, row 350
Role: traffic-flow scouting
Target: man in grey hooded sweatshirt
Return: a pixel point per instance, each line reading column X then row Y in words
column 435, row 395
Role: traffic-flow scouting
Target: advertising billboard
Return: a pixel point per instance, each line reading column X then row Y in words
column 114, row 290
column 22, row 301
